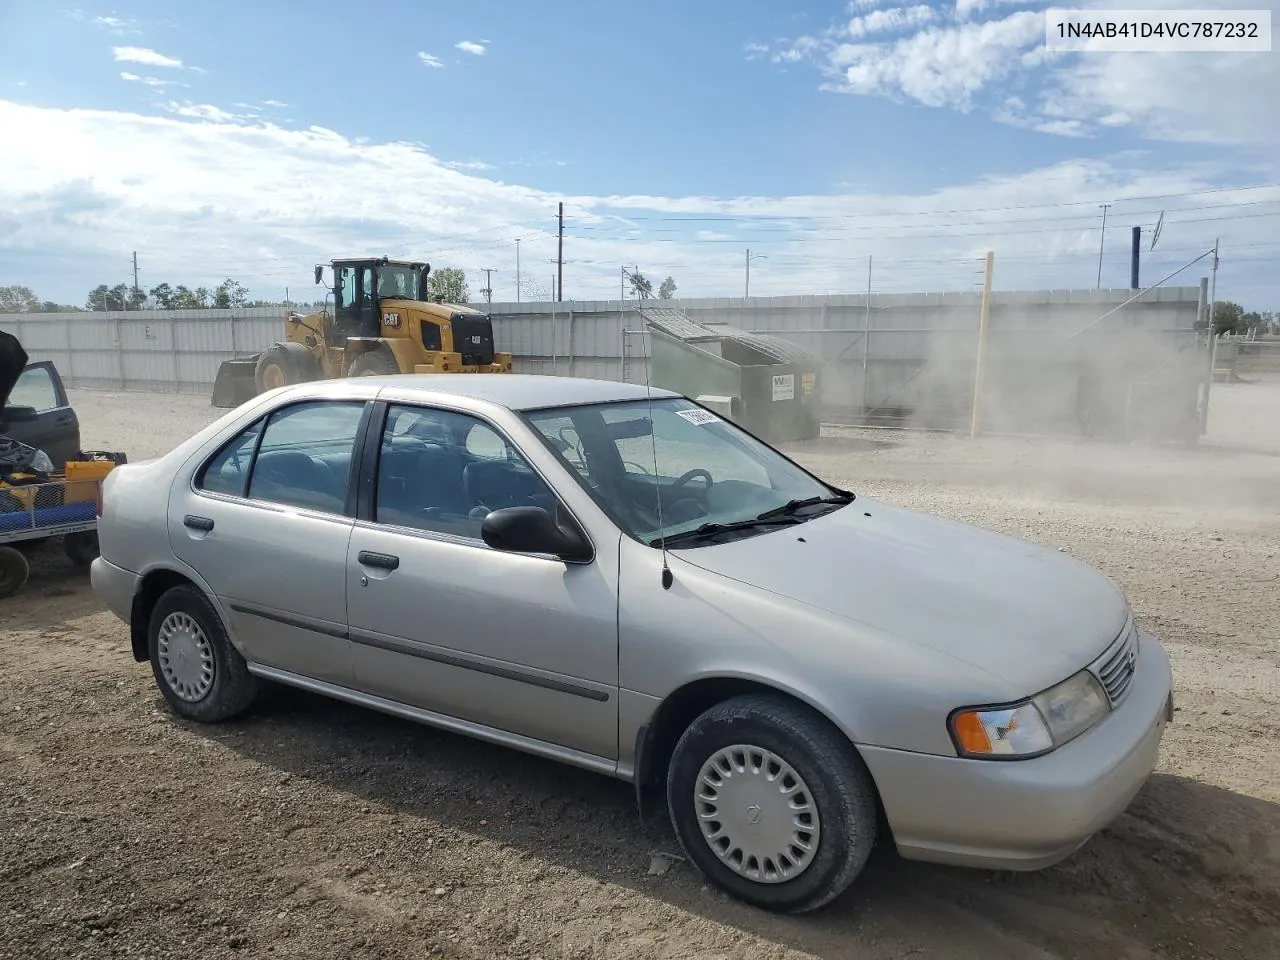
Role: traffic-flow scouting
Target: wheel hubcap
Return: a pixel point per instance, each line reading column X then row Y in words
column 186, row 657
column 757, row 814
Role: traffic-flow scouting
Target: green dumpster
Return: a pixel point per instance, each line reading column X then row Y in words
column 765, row 384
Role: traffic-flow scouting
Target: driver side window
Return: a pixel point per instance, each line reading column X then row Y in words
column 443, row 471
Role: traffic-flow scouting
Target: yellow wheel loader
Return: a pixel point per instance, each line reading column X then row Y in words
column 383, row 321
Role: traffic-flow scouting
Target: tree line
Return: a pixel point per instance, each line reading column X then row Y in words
column 229, row 293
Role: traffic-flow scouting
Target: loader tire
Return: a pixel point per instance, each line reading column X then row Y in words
column 282, row 365
column 375, row 363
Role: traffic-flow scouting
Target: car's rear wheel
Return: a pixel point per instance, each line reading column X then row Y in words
column 200, row 673
column 772, row 803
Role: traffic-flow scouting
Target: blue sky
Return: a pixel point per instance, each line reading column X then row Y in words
column 252, row 140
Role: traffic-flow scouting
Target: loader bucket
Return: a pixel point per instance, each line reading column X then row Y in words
column 235, row 384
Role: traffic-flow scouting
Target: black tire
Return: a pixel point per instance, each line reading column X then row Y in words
column 232, row 688
column 840, row 789
column 284, row 364
column 81, row 547
column 14, row 571
column 375, row 363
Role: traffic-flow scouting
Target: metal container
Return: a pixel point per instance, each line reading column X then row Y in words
column 765, row 384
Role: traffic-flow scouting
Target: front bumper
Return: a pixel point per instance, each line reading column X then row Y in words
column 115, row 586
column 1028, row 814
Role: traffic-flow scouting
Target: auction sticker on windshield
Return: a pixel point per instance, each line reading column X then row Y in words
column 699, row 417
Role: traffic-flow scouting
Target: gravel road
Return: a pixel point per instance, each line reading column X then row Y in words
column 312, row 829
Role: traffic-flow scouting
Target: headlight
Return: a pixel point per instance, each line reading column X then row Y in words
column 1034, row 726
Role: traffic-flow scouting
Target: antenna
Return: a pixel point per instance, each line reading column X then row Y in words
column 653, row 444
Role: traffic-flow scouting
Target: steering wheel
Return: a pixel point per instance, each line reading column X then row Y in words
column 689, row 475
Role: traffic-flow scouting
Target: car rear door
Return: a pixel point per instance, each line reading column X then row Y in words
column 266, row 523
column 55, row 429
column 441, row 621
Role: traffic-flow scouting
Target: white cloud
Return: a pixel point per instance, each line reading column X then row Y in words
column 468, row 165
column 154, row 82
column 982, row 54
column 472, row 47
column 206, row 111
column 896, row 18
column 276, row 104
column 116, row 25
column 430, row 60
column 144, row 56
column 204, row 193
column 967, row 8
column 938, row 67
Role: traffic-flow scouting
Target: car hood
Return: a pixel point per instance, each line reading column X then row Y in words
column 13, row 359
column 1024, row 613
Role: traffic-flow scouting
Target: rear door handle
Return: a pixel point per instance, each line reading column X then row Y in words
column 197, row 523
column 384, row 561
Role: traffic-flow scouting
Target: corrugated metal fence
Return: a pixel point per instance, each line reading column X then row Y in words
column 876, row 348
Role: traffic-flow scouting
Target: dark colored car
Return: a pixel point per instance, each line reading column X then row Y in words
column 35, row 408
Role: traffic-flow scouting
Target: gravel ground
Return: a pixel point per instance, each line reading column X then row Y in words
column 312, row 829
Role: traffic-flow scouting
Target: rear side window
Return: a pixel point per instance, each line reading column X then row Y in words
column 305, row 456
column 228, row 471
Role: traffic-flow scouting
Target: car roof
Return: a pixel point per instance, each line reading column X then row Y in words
column 514, row 391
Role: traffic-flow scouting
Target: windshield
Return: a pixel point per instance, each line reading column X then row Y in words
column 707, row 470
column 400, row 283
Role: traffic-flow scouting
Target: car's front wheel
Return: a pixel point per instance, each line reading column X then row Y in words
column 772, row 803
column 200, row 673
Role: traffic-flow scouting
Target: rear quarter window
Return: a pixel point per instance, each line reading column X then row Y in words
column 228, row 471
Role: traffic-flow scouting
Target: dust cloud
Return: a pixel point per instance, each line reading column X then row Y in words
column 1105, row 415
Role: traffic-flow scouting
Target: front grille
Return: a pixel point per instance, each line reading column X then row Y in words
column 1116, row 667
column 473, row 338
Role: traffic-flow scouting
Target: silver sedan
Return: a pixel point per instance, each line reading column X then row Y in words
column 619, row 579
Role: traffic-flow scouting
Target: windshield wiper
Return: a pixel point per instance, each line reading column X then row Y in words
column 713, row 529
column 792, row 506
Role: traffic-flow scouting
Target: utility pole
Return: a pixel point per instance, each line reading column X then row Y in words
column 1102, row 242
column 517, row 270
column 135, row 275
column 982, row 348
column 1134, row 254
column 559, row 284
column 488, row 284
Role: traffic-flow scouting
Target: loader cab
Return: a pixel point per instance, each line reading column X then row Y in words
column 359, row 286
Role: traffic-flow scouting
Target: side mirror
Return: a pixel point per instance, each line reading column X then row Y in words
column 19, row 414
column 533, row 530
column 319, row 272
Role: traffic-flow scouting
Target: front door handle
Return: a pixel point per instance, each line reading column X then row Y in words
column 384, row 561
column 197, row 523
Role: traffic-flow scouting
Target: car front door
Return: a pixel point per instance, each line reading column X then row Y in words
column 48, row 423
column 439, row 620
column 266, row 523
